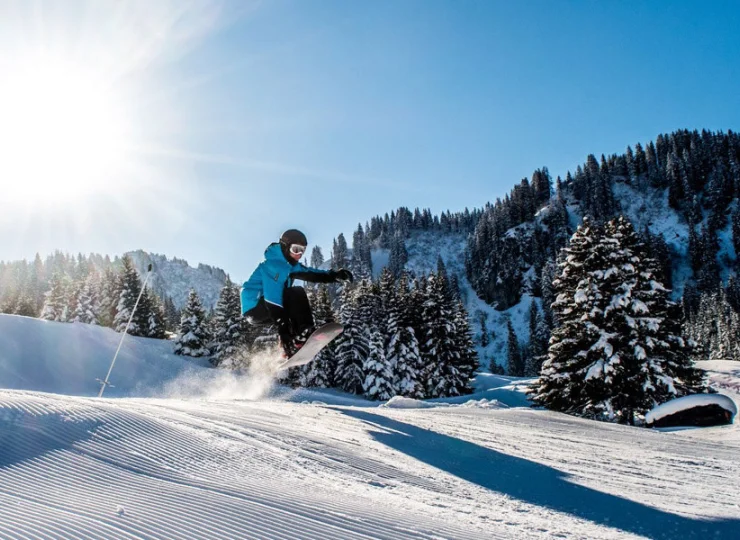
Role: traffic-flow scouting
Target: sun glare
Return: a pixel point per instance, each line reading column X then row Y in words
column 63, row 136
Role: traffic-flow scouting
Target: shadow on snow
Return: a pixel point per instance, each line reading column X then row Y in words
column 25, row 436
column 537, row 484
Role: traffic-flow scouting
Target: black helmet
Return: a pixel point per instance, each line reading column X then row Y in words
column 293, row 236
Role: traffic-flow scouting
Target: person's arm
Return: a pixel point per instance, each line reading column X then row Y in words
column 315, row 275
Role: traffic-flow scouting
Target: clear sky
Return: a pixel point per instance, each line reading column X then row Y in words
column 203, row 129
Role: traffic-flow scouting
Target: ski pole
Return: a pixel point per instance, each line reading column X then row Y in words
column 106, row 382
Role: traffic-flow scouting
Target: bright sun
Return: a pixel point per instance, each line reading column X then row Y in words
column 63, row 136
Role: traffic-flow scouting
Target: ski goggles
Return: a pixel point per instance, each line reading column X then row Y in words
column 297, row 249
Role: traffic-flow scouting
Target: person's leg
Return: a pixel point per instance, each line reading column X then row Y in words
column 258, row 314
column 299, row 312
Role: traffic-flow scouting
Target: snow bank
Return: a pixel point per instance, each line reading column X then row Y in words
column 399, row 402
column 687, row 402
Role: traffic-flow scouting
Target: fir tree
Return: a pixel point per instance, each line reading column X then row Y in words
column 156, row 325
column 130, row 289
column 320, row 372
column 317, row 257
column 618, row 351
column 88, row 307
column 352, row 346
column 402, row 348
column 339, row 252
column 467, row 359
column 55, row 303
column 514, row 359
column 378, row 382
column 439, row 350
column 228, row 324
column 192, row 338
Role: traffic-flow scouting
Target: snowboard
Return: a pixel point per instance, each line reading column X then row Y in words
column 320, row 338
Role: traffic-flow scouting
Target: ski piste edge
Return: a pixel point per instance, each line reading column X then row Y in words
column 320, row 338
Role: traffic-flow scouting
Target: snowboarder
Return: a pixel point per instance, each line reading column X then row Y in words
column 269, row 297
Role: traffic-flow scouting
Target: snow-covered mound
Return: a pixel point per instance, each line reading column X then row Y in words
column 67, row 358
column 689, row 402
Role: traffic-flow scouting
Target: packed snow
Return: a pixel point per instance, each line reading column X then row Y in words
column 178, row 449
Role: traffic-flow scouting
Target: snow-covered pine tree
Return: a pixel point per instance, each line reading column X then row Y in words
column 352, row 346
column 130, row 289
column 192, row 338
column 228, row 324
column 402, row 348
column 317, row 257
column 641, row 333
column 88, row 306
column 398, row 256
column 339, row 252
column 378, row 383
column 467, row 362
column 617, row 351
column 715, row 328
column 156, row 325
column 562, row 385
column 320, row 372
column 538, row 337
column 171, row 315
column 361, row 264
column 439, row 349
column 55, row 302
column 109, row 293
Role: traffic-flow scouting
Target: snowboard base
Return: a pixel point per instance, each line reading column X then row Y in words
column 320, row 338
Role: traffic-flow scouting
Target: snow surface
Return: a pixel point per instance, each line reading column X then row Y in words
column 218, row 455
column 687, row 402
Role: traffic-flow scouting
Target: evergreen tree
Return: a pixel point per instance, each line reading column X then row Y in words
column 109, row 293
column 378, row 382
column 193, row 337
column 398, row 256
column 320, row 372
column 352, row 346
column 88, row 307
column 55, row 303
column 339, row 252
column 514, row 359
column 317, row 257
column 156, row 325
column 439, row 350
column 228, row 335
column 130, row 289
column 715, row 327
column 402, row 348
column 538, row 337
column 618, row 351
column 563, row 376
column 171, row 315
column 467, row 360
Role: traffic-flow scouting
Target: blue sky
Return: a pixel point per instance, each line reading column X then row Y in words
column 243, row 119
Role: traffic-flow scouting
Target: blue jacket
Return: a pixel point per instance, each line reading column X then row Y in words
column 273, row 275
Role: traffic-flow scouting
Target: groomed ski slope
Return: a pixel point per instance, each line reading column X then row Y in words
column 145, row 468
column 322, row 465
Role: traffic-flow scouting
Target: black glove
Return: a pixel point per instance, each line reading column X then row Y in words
column 342, row 275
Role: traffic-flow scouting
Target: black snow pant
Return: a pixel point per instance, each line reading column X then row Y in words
column 295, row 307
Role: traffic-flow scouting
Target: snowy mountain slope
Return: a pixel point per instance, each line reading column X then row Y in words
column 196, row 462
column 424, row 247
column 175, row 277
